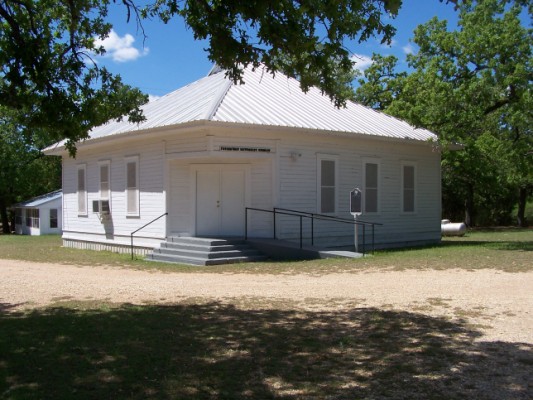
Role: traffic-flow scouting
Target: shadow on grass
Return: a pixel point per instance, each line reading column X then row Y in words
column 216, row 351
column 494, row 245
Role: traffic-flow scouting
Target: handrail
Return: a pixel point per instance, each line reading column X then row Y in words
column 313, row 216
column 142, row 227
column 328, row 217
column 269, row 211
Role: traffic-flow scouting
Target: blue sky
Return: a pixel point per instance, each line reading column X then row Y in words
column 170, row 58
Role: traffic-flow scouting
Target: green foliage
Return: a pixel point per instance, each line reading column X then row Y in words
column 25, row 172
column 381, row 84
column 47, row 73
column 472, row 86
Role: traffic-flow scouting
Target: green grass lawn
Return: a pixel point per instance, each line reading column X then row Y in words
column 505, row 249
column 508, row 250
column 48, row 248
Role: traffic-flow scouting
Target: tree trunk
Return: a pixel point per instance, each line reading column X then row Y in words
column 4, row 217
column 469, row 206
column 522, row 201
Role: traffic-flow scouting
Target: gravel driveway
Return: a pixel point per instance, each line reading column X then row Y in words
column 497, row 303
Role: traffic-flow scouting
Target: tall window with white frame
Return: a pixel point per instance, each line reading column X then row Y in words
column 371, row 193
column 82, row 190
column 132, row 186
column 104, row 180
column 327, row 184
column 409, row 188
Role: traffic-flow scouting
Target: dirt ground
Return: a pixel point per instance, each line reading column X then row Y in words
column 498, row 304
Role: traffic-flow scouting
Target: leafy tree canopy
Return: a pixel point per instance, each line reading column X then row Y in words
column 381, row 84
column 46, row 72
column 470, row 85
column 25, row 172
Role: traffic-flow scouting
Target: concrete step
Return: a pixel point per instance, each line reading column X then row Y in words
column 216, row 253
column 205, row 241
column 205, row 251
column 203, row 247
column 170, row 258
column 175, row 259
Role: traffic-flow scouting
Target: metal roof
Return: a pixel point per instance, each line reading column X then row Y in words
column 190, row 103
column 262, row 100
column 40, row 200
column 279, row 101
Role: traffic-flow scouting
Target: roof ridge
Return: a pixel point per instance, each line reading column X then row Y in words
column 218, row 98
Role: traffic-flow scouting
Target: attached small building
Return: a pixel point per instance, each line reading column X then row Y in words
column 211, row 149
column 41, row 215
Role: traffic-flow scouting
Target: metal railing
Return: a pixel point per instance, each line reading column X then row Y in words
column 142, row 227
column 312, row 216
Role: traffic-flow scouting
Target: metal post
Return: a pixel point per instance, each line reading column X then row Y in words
column 246, row 223
column 131, row 246
column 274, row 223
column 373, row 243
column 301, row 245
column 364, row 238
column 312, row 230
column 355, row 234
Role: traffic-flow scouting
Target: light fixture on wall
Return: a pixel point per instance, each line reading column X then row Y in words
column 295, row 155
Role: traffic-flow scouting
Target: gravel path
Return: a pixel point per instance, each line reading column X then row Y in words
column 500, row 304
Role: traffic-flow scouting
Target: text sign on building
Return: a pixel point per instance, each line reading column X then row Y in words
column 355, row 202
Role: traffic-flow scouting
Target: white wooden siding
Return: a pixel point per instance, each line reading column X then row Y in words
column 44, row 216
column 180, row 197
column 277, row 178
column 119, row 226
column 298, row 189
column 188, row 144
column 262, row 196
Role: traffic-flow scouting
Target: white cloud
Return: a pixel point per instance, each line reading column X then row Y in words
column 408, row 49
column 120, row 49
column 361, row 61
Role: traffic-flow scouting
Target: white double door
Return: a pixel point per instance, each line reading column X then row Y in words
column 220, row 200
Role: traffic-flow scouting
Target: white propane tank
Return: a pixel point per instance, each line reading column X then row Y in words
column 448, row 228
